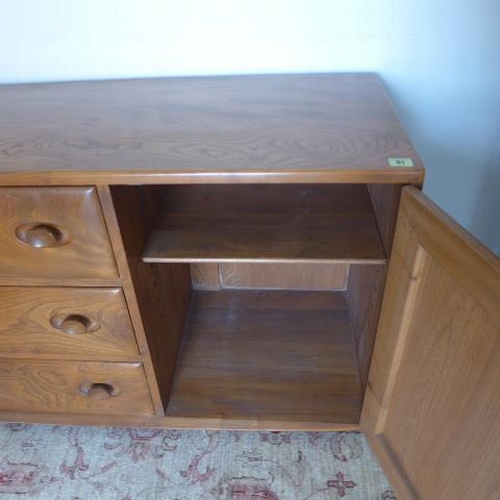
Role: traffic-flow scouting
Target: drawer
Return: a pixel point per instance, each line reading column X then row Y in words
column 53, row 233
column 84, row 323
column 74, row 387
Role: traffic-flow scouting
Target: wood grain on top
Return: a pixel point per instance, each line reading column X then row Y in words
column 284, row 128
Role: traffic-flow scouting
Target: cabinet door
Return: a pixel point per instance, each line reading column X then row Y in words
column 432, row 408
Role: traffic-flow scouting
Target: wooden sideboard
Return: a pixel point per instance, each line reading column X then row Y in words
column 245, row 252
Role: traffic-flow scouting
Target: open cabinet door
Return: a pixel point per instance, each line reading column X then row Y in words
column 432, row 407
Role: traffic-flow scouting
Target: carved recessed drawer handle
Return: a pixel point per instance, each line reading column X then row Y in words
column 42, row 235
column 74, row 324
column 99, row 390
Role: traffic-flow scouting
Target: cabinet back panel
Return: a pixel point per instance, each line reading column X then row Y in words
column 269, row 276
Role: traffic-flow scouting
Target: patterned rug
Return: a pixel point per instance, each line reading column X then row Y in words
column 84, row 463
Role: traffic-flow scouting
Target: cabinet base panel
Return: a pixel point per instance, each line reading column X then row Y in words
column 172, row 422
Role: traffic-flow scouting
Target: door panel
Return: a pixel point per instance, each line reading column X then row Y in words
column 433, row 399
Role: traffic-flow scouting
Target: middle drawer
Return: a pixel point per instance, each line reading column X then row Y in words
column 70, row 323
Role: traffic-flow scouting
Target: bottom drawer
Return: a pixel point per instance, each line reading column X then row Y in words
column 74, row 387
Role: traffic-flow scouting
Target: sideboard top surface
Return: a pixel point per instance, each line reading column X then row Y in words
column 262, row 128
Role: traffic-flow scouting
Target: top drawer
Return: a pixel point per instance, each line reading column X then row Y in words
column 53, row 233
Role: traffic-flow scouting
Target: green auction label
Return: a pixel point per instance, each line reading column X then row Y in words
column 400, row 162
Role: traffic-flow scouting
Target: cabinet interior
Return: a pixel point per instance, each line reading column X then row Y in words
column 259, row 302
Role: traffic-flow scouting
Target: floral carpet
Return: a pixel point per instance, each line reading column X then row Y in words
column 85, row 463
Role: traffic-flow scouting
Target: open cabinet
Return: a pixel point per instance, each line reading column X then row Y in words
column 275, row 291
column 255, row 353
column 246, row 253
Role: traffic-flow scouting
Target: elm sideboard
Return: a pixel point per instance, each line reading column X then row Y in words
column 249, row 252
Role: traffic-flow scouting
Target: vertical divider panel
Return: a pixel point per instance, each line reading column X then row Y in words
column 385, row 202
column 366, row 282
column 365, row 290
column 158, row 295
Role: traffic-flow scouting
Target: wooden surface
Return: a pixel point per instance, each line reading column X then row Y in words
column 265, row 223
column 167, row 422
column 269, row 276
column 433, row 400
column 282, row 356
column 33, row 323
column 279, row 128
column 385, row 203
column 284, row 276
column 86, row 252
column 390, row 465
column 205, row 275
column 365, row 290
column 161, row 292
column 57, row 386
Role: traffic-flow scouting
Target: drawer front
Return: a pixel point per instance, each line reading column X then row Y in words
column 53, row 233
column 74, row 387
column 81, row 323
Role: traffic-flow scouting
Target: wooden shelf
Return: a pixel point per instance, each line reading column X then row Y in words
column 274, row 355
column 271, row 223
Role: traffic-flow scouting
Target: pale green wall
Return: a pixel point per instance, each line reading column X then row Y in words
column 440, row 60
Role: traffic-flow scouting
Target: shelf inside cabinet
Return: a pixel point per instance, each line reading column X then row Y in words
column 271, row 223
column 267, row 355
